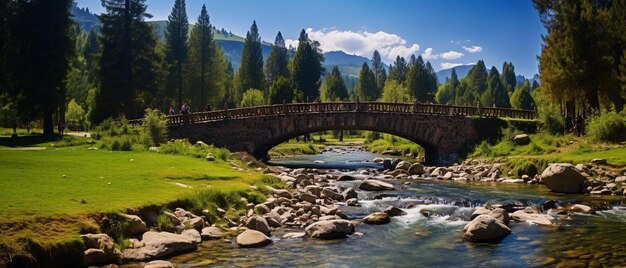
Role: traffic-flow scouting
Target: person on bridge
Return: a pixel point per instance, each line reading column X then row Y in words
column 207, row 108
column 184, row 109
column 171, row 110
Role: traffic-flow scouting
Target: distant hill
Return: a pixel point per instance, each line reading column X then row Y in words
column 461, row 71
column 520, row 79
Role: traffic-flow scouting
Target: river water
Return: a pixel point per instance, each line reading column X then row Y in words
column 415, row 240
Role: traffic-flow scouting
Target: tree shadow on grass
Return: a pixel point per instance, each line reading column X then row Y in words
column 26, row 141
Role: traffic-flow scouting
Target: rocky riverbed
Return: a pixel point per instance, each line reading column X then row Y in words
column 463, row 202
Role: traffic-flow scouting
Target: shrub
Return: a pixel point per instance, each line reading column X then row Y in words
column 483, row 149
column 551, row 120
column 525, row 168
column 252, row 97
column 154, row 128
column 183, row 147
column 606, row 127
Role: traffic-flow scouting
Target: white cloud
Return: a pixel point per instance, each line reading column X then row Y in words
column 448, row 65
column 458, row 42
column 473, row 49
column 451, row 55
column 428, row 54
column 362, row 43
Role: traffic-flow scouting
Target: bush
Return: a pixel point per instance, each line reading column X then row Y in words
column 525, row 168
column 607, row 127
column 154, row 128
column 551, row 120
column 183, row 147
column 483, row 149
column 252, row 97
column 112, row 128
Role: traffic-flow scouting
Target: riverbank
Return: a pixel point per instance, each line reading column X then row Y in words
column 51, row 196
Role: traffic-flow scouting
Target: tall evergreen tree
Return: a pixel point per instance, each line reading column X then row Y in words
column 250, row 74
column 129, row 65
column 420, row 81
column 508, row 79
column 399, row 70
column 454, row 79
column 333, row 88
column 176, row 39
column 379, row 71
column 281, row 90
column 473, row 85
column 521, row 98
column 206, row 65
column 366, row 89
column 92, row 48
column 495, row 94
column 278, row 61
column 307, row 67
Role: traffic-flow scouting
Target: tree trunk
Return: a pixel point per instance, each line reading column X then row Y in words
column 48, row 124
column 180, row 84
column 340, row 135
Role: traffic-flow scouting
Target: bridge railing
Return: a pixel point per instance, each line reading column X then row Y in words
column 323, row 107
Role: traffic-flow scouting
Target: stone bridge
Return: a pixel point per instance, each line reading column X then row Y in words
column 442, row 130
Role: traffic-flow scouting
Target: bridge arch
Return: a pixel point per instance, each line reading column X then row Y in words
column 442, row 130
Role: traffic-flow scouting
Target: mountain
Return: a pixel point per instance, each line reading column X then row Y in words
column 520, row 79
column 461, row 71
column 84, row 18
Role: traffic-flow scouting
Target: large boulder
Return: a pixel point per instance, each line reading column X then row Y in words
column 564, row 178
column 375, row 185
column 521, row 139
column 349, row 194
column 377, row 218
column 500, row 214
column 252, row 238
column 258, row 223
column 485, row 228
column 210, row 233
column 100, row 250
column 192, row 234
column 532, row 218
column 416, row 169
column 158, row 245
column 134, row 225
column 394, row 211
column 330, row 229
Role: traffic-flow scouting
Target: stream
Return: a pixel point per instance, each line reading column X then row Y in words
column 431, row 232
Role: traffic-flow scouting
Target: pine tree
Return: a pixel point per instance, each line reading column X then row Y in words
column 379, row 71
column 206, row 65
column 278, row 61
column 334, row 88
column 91, row 49
column 495, row 94
column 399, row 70
column 422, row 81
column 281, row 91
column 176, row 54
column 521, row 98
column 129, row 65
column 250, row 74
column 454, row 79
column 366, row 89
column 307, row 68
column 508, row 79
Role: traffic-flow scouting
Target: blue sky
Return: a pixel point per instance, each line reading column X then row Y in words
column 446, row 32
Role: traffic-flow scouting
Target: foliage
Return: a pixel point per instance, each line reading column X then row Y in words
column 507, row 78
column 366, row 89
column 74, row 114
column 496, row 94
column 551, row 120
column 421, row 81
column 609, row 126
column 472, row 86
column 252, row 97
column 154, row 128
column 395, row 92
column 250, row 74
column 277, row 64
column 378, row 67
column 333, row 88
column 398, row 71
column 129, row 66
column 183, row 147
column 281, row 90
column 521, row 97
column 176, row 51
column 306, row 67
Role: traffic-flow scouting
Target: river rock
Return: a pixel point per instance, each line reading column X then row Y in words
column 346, row 178
column 394, row 211
column 403, row 165
column 387, row 164
column 195, row 223
column 598, row 161
column 377, row 218
column 440, row 171
column 564, row 178
column 485, row 228
column 211, row 233
column 349, row 194
column 332, row 194
column 533, row 218
column 294, row 235
column 192, row 234
column 252, row 238
column 331, row 229
column 159, row 245
column 500, row 214
column 375, row 185
column 159, row 264
column 258, row 223
column 308, row 197
column 479, row 211
column 521, row 139
column 100, row 250
column 416, row 169
column 134, row 225
column 352, row 202
column 579, row 208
